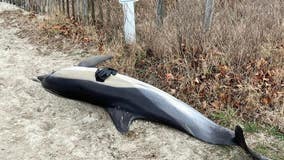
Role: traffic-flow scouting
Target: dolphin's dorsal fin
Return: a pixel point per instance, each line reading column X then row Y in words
column 121, row 118
column 94, row 60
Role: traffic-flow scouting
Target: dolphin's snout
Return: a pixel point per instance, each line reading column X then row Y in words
column 41, row 78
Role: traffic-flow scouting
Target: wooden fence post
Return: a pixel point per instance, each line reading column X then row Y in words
column 209, row 9
column 101, row 13
column 160, row 12
column 108, row 13
column 48, row 7
column 73, row 9
column 67, row 8
column 85, row 11
column 63, row 6
column 93, row 12
column 77, row 10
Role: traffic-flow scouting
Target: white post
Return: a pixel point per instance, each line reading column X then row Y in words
column 129, row 21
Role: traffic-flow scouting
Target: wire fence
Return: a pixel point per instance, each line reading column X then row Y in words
column 98, row 12
column 81, row 10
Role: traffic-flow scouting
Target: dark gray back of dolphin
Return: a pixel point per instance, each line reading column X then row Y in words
column 93, row 61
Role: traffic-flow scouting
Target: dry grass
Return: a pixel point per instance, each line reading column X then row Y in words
column 237, row 66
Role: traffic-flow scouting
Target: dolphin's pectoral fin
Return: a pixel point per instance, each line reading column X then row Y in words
column 94, row 60
column 121, row 119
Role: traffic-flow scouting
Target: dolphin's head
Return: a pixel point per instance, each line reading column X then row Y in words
column 67, row 82
column 43, row 77
column 78, row 73
column 85, row 70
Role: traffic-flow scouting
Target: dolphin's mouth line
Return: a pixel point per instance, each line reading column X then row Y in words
column 35, row 80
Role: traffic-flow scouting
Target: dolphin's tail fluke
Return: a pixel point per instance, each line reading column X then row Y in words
column 240, row 141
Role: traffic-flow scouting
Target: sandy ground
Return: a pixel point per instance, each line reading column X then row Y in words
column 37, row 125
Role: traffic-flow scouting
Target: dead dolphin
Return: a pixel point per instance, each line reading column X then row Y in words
column 127, row 99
